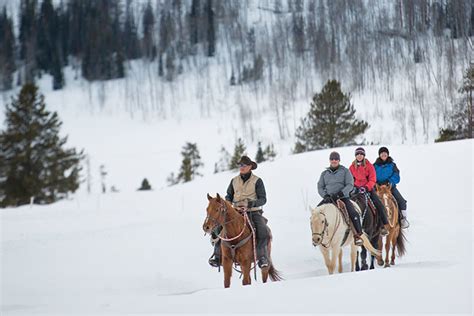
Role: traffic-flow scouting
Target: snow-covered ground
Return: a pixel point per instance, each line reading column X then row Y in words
column 144, row 252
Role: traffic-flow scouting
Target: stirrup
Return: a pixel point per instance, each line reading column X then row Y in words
column 383, row 231
column 214, row 261
column 358, row 241
column 404, row 224
column 262, row 263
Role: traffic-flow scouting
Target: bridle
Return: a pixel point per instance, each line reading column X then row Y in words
column 324, row 231
column 223, row 211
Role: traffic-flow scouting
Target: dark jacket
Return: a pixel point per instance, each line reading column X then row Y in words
column 335, row 181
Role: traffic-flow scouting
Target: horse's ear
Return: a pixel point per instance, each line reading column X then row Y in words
column 218, row 197
column 209, row 197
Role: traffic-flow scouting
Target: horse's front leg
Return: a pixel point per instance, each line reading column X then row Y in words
column 334, row 255
column 227, row 264
column 340, row 261
column 380, row 257
column 327, row 259
column 246, row 265
column 387, row 250
column 354, row 257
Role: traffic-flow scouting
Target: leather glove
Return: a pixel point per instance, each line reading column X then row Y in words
column 327, row 199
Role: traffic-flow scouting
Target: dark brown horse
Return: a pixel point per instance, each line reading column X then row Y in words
column 237, row 241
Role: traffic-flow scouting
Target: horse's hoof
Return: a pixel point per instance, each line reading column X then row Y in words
column 380, row 263
column 387, row 265
column 357, row 269
column 364, row 267
column 371, row 267
column 392, row 263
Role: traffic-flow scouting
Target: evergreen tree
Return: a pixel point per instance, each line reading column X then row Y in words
column 269, row 152
column 459, row 124
column 103, row 57
column 57, row 70
column 211, row 30
column 224, row 161
column 35, row 165
column 130, row 35
column 330, row 122
column 145, row 185
column 260, row 157
column 27, row 38
column 190, row 164
column 7, row 48
column 239, row 151
column 148, row 45
column 46, row 35
column 194, row 24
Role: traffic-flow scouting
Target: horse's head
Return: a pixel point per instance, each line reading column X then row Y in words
column 215, row 213
column 384, row 189
column 318, row 225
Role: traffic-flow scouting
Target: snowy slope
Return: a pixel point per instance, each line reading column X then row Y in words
column 136, row 252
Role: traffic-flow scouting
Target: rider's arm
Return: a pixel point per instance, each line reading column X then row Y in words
column 322, row 186
column 395, row 177
column 261, row 195
column 372, row 177
column 349, row 183
column 230, row 192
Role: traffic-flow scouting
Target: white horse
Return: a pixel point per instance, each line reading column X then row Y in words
column 329, row 229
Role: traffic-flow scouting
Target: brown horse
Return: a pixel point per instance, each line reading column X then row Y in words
column 237, row 240
column 395, row 237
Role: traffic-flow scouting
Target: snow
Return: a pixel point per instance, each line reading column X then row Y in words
column 144, row 252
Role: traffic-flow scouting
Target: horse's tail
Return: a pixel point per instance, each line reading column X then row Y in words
column 274, row 274
column 368, row 245
column 401, row 239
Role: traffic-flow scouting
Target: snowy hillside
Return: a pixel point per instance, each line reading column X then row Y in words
column 136, row 252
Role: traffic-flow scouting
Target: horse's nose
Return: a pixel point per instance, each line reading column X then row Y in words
column 316, row 240
column 206, row 227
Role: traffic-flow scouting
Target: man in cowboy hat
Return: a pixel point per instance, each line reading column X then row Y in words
column 247, row 193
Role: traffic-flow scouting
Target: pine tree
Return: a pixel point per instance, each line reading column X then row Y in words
column 330, row 122
column 7, row 48
column 211, row 30
column 269, row 152
column 148, row 32
column 224, row 161
column 260, row 157
column 130, row 35
column 190, row 164
column 35, row 165
column 145, row 185
column 459, row 123
column 27, row 38
column 239, row 151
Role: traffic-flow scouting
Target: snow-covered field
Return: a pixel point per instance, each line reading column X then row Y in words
column 144, row 252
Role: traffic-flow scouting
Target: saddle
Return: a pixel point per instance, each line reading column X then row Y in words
column 364, row 201
column 345, row 215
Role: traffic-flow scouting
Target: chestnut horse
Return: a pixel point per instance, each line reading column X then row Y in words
column 237, row 242
column 395, row 237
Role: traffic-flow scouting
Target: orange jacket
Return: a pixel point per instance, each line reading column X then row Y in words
column 364, row 174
